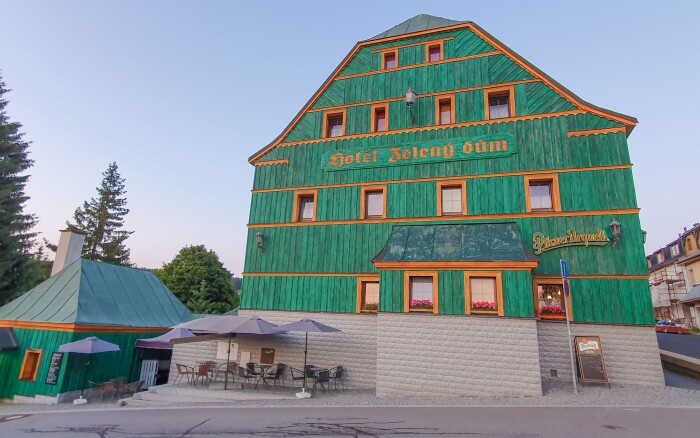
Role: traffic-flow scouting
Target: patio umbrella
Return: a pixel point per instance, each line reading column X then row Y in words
column 88, row 346
column 307, row 325
column 163, row 341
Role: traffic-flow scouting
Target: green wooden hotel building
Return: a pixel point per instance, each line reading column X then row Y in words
column 421, row 201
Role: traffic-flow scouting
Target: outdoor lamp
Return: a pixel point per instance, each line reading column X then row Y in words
column 615, row 229
column 259, row 240
column 410, row 100
column 644, row 236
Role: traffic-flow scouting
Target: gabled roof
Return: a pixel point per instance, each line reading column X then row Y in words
column 416, row 24
column 412, row 28
column 93, row 293
column 455, row 243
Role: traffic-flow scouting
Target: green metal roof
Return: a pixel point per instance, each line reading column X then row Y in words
column 95, row 293
column 455, row 243
column 416, row 24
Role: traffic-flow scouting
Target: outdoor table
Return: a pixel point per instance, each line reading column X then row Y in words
column 263, row 369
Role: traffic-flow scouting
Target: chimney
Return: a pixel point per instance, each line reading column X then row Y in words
column 70, row 248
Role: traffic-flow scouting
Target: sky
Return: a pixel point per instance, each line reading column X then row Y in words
column 181, row 93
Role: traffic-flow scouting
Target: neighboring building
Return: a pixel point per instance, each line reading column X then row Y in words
column 86, row 298
column 675, row 292
column 431, row 234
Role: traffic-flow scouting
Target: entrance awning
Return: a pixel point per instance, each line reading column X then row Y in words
column 8, row 339
column 457, row 246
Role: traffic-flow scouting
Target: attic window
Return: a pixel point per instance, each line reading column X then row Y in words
column 334, row 124
column 434, row 52
column 390, row 60
column 499, row 103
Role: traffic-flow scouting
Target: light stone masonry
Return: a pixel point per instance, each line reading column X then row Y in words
column 631, row 352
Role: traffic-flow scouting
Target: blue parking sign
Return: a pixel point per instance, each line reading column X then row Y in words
column 564, row 270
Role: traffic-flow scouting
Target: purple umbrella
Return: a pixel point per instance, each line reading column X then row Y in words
column 87, row 346
column 307, row 325
column 163, row 341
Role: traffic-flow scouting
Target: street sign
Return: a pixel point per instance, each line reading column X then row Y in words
column 564, row 270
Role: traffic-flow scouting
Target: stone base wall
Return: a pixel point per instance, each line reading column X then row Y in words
column 355, row 348
column 37, row 399
column 438, row 355
column 631, row 353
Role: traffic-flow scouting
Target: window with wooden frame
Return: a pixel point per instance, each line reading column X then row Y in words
column 542, row 193
column 483, row 293
column 30, row 365
column 499, row 103
column 550, row 299
column 368, row 294
column 420, row 292
column 452, row 198
column 434, row 52
column 305, row 206
column 334, row 124
column 445, row 109
column 373, row 202
column 390, row 59
column 380, row 118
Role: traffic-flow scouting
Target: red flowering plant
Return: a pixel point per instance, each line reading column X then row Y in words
column 485, row 306
column 420, row 304
column 551, row 310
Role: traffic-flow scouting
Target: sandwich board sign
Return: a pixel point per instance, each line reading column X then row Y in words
column 591, row 361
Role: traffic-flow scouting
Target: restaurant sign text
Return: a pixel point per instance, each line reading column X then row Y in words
column 436, row 151
column 542, row 243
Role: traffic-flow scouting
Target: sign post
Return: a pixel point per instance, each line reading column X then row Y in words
column 565, row 284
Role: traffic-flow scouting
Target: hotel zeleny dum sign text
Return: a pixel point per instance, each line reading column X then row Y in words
column 542, row 243
column 437, row 151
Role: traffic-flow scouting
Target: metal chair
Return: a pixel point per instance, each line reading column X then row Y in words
column 109, row 387
column 323, row 379
column 296, row 373
column 203, row 371
column 226, row 368
column 183, row 370
column 337, row 375
column 245, row 376
column 275, row 373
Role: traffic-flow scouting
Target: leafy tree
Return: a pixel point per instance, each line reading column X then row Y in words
column 103, row 219
column 16, row 237
column 198, row 278
column 237, row 283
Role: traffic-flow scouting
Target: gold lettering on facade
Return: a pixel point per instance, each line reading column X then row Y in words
column 542, row 243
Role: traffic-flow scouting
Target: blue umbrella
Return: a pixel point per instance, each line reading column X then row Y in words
column 306, row 325
column 87, row 346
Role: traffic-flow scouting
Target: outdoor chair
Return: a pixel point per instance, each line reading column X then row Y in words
column 297, row 374
column 109, row 388
column 183, row 370
column 134, row 387
column 310, row 371
column 246, row 376
column 337, row 376
column 250, row 369
column 275, row 373
column 322, row 379
column 203, row 371
column 226, row 368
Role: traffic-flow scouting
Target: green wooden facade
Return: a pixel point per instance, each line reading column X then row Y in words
column 314, row 266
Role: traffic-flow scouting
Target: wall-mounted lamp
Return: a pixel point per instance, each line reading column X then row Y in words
column 616, row 230
column 259, row 240
column 644, row 236
column 410, row 100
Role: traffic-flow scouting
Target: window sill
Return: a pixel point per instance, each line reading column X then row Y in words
column 369, row 311
column 553, row 317
column 481, row 312
column 420, row 310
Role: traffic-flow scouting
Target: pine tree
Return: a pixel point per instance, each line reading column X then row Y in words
column 16, row 237
column 102, row 220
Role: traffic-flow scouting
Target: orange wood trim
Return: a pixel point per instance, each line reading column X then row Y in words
column 468, row 293
column 450, row 178
column 429, row 45
column 438, row 101
column 549, row 278
column 566, row 94
column 434, row 127
column 407, row 290
column 373, row 121
column 455, row 218
column 407, row 67
column 431, row 42
column 510, row 90
column 363, row 200
column 327, row 114
column 297, row 200
column 304, row 274
column 462, row 184
column 553, row 179
column 596, row 132
column 392, row 51
column 79, row 328
column 27, row 353
column 541, row 280
column 271, row 162
column 425, row 95
column 360, row 281
column 442, row 266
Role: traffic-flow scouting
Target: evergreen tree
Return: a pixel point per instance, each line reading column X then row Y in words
column 16, row 238
column 102, row 220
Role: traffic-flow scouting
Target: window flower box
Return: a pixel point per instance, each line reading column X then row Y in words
column 420, row 306
column 484, row 306
column 551, row 310
column 370, row 307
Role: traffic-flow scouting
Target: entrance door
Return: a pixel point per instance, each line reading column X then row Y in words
column 149, row 369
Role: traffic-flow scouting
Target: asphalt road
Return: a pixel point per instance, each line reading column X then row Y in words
column 688, row 345
column 545, row 422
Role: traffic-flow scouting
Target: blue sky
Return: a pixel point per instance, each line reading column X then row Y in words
column 180, row 93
